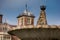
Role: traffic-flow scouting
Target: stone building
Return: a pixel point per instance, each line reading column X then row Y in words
column 4, row 28
column 42, row 31
column 26, row 22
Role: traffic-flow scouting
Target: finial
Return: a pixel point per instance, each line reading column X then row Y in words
column 43, row 7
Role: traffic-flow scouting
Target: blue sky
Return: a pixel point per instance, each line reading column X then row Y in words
column 12, row 8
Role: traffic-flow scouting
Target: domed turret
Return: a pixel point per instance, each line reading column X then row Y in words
column 26, row 19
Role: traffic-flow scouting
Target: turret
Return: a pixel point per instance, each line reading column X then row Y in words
column 42, row 18
column 1, row 16
column 26, row 19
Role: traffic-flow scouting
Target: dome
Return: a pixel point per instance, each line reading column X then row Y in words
column 26, row 13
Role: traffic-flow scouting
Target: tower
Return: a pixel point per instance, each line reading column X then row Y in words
column 26, row 19
column 1, row 18
column 42, row 18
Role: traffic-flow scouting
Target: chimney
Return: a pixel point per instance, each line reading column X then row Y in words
column 1, row 18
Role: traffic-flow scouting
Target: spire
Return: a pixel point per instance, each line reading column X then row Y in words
column 26, row 7
column 5, row 21
column 42, row 18
column 5, row 26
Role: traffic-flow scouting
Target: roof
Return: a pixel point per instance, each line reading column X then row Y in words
column 13, row 25
column 26, row 13
column 10, row 25
column 38, row 33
